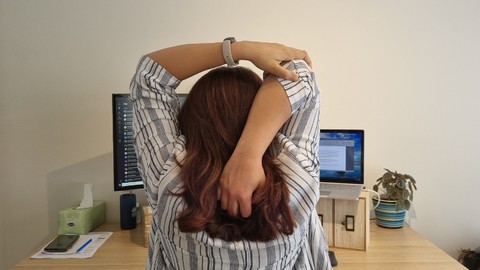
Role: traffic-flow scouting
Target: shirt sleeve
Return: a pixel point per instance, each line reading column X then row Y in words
column 155, row 120
column 303, row 127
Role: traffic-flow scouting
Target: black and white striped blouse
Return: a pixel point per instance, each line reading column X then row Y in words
column 158, row 140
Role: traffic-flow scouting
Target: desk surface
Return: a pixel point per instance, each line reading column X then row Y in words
column 396, row 249
column 389, row 249
column 123, row 250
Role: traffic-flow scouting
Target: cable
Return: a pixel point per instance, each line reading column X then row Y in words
column 375, row 193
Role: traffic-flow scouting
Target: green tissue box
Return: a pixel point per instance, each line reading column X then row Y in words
column 81, row 221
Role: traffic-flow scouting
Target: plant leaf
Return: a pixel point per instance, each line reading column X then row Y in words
column 407, row 205
column 400, row 183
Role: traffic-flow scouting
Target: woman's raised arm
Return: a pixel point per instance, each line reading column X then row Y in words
column 184, row 61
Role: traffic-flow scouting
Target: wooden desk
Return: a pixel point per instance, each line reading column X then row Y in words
column 123, row 250
column 396, row 249
column 389, row 249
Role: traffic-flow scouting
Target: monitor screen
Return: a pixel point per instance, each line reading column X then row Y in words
column 125, row 172
column 341, row 155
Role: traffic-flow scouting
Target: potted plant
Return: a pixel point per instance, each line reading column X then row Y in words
column 396, row 195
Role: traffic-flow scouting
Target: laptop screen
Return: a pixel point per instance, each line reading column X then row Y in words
column 341, row 155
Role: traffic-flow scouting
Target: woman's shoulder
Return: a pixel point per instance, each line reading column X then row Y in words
column 151, row 73
column 297, row 64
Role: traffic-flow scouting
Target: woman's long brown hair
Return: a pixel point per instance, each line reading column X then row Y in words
column 212, row 120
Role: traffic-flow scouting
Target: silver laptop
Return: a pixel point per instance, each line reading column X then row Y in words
column 341, row 163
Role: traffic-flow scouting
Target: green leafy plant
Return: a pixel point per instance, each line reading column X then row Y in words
column 394, row 186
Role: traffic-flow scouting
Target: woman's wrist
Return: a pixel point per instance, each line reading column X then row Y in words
column 248, row 149
column 239, row 50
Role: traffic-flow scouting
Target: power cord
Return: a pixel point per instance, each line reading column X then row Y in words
column 375, row 193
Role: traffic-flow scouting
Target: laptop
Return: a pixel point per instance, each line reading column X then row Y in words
column 341, row 155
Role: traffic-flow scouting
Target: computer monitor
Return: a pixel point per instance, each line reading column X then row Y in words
column 125, row 172
column 341, row 155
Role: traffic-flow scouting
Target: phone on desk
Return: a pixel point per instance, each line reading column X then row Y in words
column 62, row 243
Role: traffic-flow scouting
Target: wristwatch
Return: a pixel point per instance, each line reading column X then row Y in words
column 227, row 51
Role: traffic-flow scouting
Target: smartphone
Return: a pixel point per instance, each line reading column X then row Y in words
column 62, row 243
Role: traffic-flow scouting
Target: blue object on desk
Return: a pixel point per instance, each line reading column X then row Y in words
column 84, row 245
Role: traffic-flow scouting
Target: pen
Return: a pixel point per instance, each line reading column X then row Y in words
column 84, row 245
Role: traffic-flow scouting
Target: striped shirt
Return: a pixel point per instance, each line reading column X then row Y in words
column 158, row 142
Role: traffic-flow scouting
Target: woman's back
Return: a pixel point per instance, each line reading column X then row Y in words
column 183, row 250
column 163, row 150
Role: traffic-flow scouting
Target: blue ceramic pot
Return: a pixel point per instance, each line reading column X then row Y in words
column 387, row 216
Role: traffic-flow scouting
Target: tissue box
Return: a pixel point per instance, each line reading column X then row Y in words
column 81, row 221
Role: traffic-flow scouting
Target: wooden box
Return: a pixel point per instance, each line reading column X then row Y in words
column 346, row 222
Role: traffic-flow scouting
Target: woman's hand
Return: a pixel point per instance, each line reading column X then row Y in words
column 240, row 178
column 268, row 56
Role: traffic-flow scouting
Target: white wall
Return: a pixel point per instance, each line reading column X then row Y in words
column 405, row 71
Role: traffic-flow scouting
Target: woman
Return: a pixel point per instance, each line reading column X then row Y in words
column 233, row 179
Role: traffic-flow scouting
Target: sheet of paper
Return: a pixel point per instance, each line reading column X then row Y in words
column 98, row 238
